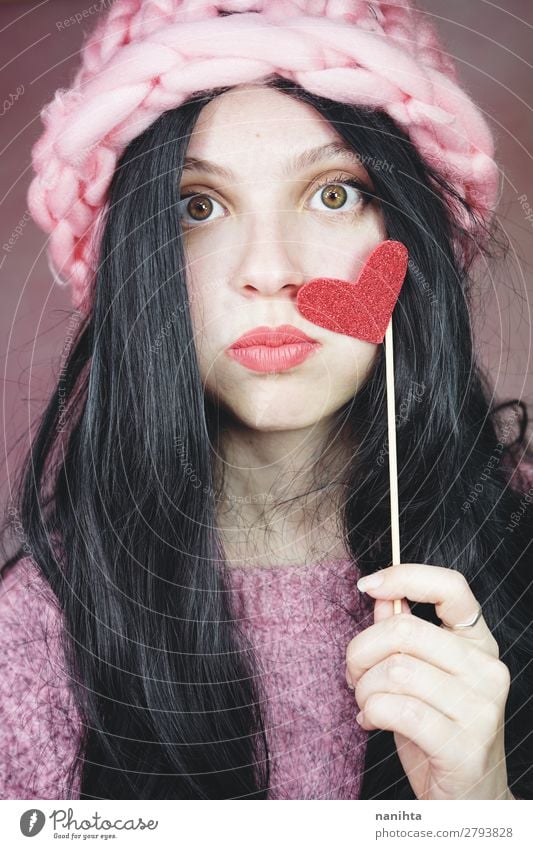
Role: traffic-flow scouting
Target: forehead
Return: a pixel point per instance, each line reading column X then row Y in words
column 252, row 128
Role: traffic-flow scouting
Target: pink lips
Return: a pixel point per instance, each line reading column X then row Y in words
column 268, row 349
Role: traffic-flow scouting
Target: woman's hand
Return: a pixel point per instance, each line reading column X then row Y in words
column 441, row 692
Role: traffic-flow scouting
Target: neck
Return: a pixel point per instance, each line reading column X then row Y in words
column 282, row 493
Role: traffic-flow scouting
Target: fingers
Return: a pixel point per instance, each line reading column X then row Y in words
column 437, row 735
column 383, row 609
column 406, row 675
column 411, row 635
column 446, row 588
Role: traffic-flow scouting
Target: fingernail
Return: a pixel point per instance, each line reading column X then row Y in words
column 369, row 581
column 359, row 717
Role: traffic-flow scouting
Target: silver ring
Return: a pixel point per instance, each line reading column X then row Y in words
column 462, row 625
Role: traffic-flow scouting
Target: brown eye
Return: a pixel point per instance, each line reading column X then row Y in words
column 334, row 196
column 199, row 207
column 196, row 208
column 340, row 195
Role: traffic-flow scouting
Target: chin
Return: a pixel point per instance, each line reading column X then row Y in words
column 277, row 415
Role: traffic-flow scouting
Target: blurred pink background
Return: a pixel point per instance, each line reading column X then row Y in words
column 490, row 43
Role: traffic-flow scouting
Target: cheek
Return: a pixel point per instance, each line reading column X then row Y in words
column 338, row 248
column 205, row 305
column 351, row 364
column 205, row 326
column 205, row 262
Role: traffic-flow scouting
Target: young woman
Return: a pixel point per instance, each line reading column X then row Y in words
column 194, row 516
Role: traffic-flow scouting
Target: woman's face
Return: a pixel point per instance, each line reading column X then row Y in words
column 254, row 234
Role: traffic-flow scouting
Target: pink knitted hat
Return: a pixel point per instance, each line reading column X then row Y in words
column 147, row 56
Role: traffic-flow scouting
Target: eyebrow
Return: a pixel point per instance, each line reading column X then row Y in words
column 296, row 163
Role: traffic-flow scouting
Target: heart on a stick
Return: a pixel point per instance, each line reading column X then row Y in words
column 362, row 309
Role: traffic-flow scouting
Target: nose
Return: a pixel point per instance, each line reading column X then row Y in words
column 267, row 265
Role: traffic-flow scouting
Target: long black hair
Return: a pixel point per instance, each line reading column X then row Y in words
column 128, row 541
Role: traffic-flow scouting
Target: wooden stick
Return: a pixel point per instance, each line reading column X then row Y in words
column 393, row 467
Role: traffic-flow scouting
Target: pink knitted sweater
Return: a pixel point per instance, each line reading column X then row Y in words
column 298, row 620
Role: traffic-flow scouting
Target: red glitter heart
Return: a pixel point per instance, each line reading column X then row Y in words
column 362, row 309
